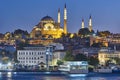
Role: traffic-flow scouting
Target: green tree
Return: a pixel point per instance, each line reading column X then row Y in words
column 84, row 32
column 80, row 57
column 5, row 60
column 93, row 61
column 69, row 56
column 63, row 35
column 21, row 33
column 59, row 62
column 108, row 62
column 117, row 60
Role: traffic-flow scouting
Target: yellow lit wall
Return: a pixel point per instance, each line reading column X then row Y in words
column 104, row 56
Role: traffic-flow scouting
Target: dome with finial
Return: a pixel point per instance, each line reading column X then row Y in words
column 47, row 19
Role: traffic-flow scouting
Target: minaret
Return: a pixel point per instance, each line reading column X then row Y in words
column 59, row 17
column 90, row 23
column 82, row 24
column 65, row 20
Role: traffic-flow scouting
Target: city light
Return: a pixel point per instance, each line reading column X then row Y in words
column 9, row 64
column 48, row 47
column 80, row 75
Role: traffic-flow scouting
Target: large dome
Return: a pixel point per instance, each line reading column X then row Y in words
column 47, row 18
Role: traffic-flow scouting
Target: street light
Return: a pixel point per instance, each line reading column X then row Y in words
column 47, row 59
column 0, row 65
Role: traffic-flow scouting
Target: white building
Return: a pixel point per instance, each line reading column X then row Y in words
column 35, row 55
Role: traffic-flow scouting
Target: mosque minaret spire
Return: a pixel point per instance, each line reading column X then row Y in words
column 59, row 17
column 90, row 23
column 83, row 24
column 65, row 19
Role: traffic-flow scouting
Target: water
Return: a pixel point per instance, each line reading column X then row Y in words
column 39, row 76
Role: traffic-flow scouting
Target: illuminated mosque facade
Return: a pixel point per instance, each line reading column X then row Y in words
column 48, row 28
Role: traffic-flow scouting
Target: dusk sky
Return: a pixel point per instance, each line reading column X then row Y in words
column 25, row 14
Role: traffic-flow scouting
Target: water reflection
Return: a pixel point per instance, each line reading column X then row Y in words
column 38, row 76
column 78, row 75
column 6, row 76
column 9, row 74
column 54, row 78
column 104, row 78
column 0, row 74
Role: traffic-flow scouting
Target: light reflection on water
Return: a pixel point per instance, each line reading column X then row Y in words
column 38, row 76
column 104, row 78
column 54, row 78
column 9, row 74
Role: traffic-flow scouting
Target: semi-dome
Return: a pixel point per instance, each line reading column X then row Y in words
column 47, row 18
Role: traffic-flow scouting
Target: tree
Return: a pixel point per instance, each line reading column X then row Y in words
column 84, row 32
column 108, row 62
column 63, row 35
column 21, row 33
column 80, row 57
column 93, row 61
column 5, row 60
column 117, row 60
column 59, row 62
column 69, row 56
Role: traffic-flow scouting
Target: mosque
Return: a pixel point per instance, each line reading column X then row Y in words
column 48, row 28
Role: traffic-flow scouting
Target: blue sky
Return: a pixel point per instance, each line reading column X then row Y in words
column 25, row 14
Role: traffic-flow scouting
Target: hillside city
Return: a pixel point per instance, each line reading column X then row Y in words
column 50, row 46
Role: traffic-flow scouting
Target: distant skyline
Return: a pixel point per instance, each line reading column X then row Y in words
column 25, row 14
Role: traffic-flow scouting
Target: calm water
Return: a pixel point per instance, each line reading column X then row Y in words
column 39, row 76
